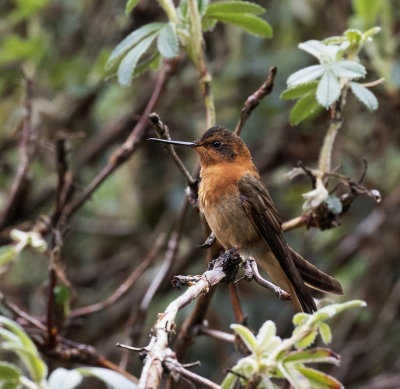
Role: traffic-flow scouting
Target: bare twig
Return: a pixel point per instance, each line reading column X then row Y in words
column 216, row 334
column 153, row 368
column 253, row 274
column 126, row 285
column 255, row 99
column 178, row 371
column 163, row 132
column 23, row 168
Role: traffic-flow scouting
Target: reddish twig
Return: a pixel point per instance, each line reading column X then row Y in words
column 255, row 99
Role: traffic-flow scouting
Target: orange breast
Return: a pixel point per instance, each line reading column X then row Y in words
column 221, row 179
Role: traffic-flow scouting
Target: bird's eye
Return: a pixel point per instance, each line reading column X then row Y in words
column 216, row 144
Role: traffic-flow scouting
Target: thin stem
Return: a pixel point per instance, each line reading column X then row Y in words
column 325, row 156
column 169, row 8
column 195, row 50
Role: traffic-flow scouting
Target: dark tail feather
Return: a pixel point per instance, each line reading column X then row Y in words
column 315, row 278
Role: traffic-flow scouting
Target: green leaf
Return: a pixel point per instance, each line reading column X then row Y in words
column 202, row 6
column 348, row 69
column 229, row 381
column 325, row 332
column 24, row 339
column 305, row 75
column 183, row 8
column 316, row 355
column 313, row 47
column 250, row 23
column 333, row 309
column 230, row 7
column 246, row 335
column 112, row 378
column 131, row 40
column 295, row 378
column 353, row 35
column 307, row 340
column 334, row 204
column 304, row 108
column 7, row 254
column 32, row 361
column 151, row 62
column 130, row 5
column 300, row 317
column 167, row 41
column 318, row 379
column 364, row 95
column 328, row 90
column 64, row 379
column 208, row 24
column 129, row 62
column 371, row 32
column 299, row 90
column 9, row 372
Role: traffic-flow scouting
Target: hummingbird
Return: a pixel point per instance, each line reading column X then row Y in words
column 241, row 214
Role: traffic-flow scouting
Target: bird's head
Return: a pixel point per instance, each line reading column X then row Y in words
column 216, row 145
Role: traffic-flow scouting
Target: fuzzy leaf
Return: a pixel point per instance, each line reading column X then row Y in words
column 109, row 377
column 234, row 7
column 24, row 339
column 364, row 95
column 318, row 379
column 130, row 5
column 248, row 22
column 202, row 6
column 328, row 90
column 64, row 379
column 304, row 108
column 246, row 335
column 300, row 317
column 7, row 254
column 325, row 332
column 334, row 204
column 315, row 355
column 229, row 381
column 131, row 40
column 307, row 340
column 167, row 41
column 371, row 32
column 208, row 24
column 299, row 90
column 9, row 372
column 348, row 69
column 305, row 75
column 313, row 47
column 129, row 62
column 32, row 361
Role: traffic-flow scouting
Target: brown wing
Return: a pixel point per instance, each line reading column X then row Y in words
column 261, row 210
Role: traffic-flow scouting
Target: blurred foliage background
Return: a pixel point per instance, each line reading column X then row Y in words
column 63, row 46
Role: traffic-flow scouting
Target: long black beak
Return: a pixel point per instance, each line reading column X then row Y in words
column 174, row 142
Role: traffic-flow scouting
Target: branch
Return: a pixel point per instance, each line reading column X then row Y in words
column 23, row 168
column 163, row 132
column 124, row 152
column 251, row 273
column 156, row 350
column 253, row 100
column 126, row 285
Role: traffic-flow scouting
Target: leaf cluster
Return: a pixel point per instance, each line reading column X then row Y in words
column 273, row 357
column 15, row 339
column 319, row 86
column 143, row 48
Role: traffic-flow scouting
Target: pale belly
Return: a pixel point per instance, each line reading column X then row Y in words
column 230, row 223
